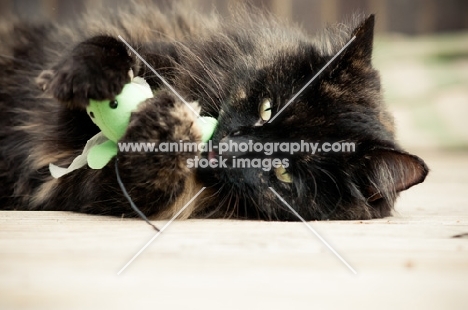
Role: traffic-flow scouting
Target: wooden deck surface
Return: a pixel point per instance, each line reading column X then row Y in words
column 59, row 260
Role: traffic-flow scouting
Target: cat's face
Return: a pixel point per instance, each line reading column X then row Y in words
column 343, row 104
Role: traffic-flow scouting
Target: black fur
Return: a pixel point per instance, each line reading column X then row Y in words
column 49, row 72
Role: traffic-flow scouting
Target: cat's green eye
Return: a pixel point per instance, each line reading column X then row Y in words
column 283, row 175
column 265, row 110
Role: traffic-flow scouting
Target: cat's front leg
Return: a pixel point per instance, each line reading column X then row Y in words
column 158, row 182
column 157, row 175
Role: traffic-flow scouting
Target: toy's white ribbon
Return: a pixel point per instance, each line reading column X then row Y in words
column 79, row 161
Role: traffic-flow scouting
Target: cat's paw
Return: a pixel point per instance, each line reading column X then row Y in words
column 161, row 120
column 97, row 68
column 164, row 118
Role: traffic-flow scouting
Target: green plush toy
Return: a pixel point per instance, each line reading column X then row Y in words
column 113, row 117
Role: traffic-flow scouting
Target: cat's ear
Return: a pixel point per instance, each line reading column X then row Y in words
column 386, row 172
column 360, row 50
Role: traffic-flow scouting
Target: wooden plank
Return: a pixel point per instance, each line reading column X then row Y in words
column 61, row 260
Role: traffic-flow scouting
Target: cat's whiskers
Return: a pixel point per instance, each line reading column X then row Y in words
column 235, row 205
column 216, row 195
column 225, row 203
column 324, row 216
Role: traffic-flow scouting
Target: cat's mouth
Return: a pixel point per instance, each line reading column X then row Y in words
column 215, row 160
column 212, row 155
column 219, row 155
column 224, row 160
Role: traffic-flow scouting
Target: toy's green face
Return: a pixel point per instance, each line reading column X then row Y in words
column 113, row 116
column 208, row 125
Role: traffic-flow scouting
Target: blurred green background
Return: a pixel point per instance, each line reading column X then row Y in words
column 421, row 50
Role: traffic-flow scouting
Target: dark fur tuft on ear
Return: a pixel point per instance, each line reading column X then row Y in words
column 335, row 37
column 361, row 48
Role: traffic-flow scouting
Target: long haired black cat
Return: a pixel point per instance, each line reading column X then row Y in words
column 235, row 70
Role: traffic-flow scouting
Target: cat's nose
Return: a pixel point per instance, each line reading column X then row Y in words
column 231, row 146
column 240, row 131
column 236, row 143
